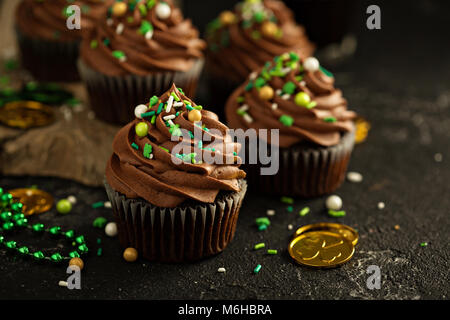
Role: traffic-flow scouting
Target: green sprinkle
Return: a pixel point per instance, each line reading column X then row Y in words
column 147, row 150
column 241, row 112
column 240, row 99
column 326, row 72
column 257, row 269
column 160, row 107
column 143, row 10
column 290, row 209
column 311, row 105
column 424, row 244
column 259, row 16
column 287, row 200
column 289, row 87
column 329, row 119
column 181, row 90
column 166, row 150
column 153, row 100
column 99, row 252
column 106, row 42
column 246, row 24
column 135, row 146
column 259, row 246
column 153, row 120
column 98, row 205
column 94, row 44
column 118, row 54
column 262, row 227
column 99, row 240
column 173, row 94
column 336, row 214
column 99, row 222
column 145, row 27
column 148, row 114
column 293, row 56
column 256, row 35
column 262, row 221
column 198, row 107
column 234, row 153
column 249, row 86
column 272, row 251
column 259, row 82
column 151, row 4
column 304, row 211
column 299, row 78
column 130, row 19
column 286, row 120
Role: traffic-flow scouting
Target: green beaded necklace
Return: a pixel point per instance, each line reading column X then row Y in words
column 12, row 218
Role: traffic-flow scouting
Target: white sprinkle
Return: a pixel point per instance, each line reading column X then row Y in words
column 151, row 156
column 169, row 104
column 221, row 270
column 123, row 59
column 178, row 104
column 171, row 123
column 107, row 204
column 438, row 157
column 169, row 117
column 380, row 205
column 72, row 199
column 270, row 212
column 311, row 64
column 119, row 28
column 149, row 35
column 279, row 92
column 111, row 229
column 109, row 22
column 274, row 106
column 333, row 202
column 290, row 227
column 62, row 283
column 247, row 118
column 244, row 107
column 354, row 177
column 139, row 110
column 253, row 75
column 286, row 96
column 285, row 70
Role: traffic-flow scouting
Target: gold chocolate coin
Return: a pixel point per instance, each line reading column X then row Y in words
column 322, row 249
column 343, row 230
column 34, row 201
column 26, row 114
column 362, row 130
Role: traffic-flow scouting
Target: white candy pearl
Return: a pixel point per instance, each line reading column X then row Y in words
column 140, row 109
column 334, row 203
column 107, row 204
column 311, row 64
column 72, row 199
column 111, row 229
column 163, row 11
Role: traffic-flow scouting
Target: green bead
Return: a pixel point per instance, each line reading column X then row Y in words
column 63, row 206
column 83, row 248
column 54, row 230
column 38, row 227
column 8, row 226
column 74, row 254
column 6, row 216
column 18, row 216
column 302, row 99
column 79, row 239
column 56, row 257
column 11, row 244
column 22, row 222
column 23, row 250
column 99, row 222
column 38, row 255
column 17, row 207
column 69, row 234
column 141, row 129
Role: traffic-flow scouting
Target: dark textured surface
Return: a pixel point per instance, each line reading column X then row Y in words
column 400, row 80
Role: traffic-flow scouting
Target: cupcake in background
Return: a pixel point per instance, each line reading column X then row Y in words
column 242, row 40
column 49, row 50
column 316, row 131
column 171, row 206
column 141, row 48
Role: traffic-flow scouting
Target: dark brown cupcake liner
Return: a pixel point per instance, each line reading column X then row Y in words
column 185, row 233
column 113, row 99
column 305, row 171
column 49, row 61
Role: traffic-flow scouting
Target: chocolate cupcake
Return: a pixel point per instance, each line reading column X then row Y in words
column 316, row 131
column 243, row 40
column 49, row 50
column 142, row 47
column 173, row 206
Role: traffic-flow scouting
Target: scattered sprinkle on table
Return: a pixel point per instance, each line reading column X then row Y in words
column 221, row 270
column 272, row 251
column 257, row 269
column 287, row 200
column 304, row 211
column 336, row 214
column 97, row 205
column 290, row 227
column 438, row 157
column 290, row 208
column 270, row 212
column 62, row 284
column 107, row 204
column 424, row 244
column 355, row 177
column 72, row 199
column 381, row 205
column 259, row 246
column 99, row 222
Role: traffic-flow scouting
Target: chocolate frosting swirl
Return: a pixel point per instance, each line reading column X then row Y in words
column 242, row 41
column 145, row 41
column 320, row 121
column 139, row 171
column 47, row 18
